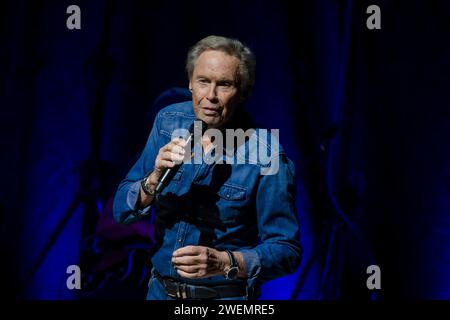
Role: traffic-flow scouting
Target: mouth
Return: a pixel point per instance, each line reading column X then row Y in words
column 210, row 111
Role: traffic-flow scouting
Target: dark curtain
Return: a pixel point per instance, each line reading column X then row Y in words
column 364, row 115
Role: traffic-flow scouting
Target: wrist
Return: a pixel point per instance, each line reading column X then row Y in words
column 147, row 186
column 231, row 271
column 225, row 261
column 153, row 178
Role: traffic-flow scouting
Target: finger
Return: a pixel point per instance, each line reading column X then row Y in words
column 170, row 156
column 162, row 164
column 193, row 269
column 178, row 141
column 171, row 144
column 176, row 158
column 196, row 275
column 178, row 150
column 188, row 260
column 189, row 251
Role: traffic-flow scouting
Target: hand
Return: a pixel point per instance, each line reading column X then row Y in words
column 168, row 156
column 199, row 262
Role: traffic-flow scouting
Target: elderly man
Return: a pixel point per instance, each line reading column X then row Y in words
column 223, row 226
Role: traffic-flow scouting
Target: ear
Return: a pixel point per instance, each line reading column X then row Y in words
column 190, row 86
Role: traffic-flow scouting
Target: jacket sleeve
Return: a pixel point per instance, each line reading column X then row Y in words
column 279, row 252
column 126, row 199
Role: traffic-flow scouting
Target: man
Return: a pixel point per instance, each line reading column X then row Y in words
column 223, row 226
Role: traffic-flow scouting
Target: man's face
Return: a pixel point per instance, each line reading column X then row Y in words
column 214, row 87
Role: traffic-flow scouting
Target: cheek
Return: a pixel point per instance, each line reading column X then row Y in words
column 195, row 97
column 198, row 94
column 229, row 99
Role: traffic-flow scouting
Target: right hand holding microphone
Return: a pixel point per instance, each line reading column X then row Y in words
column 169, row 156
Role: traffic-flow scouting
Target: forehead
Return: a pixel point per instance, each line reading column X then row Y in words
column 216, row 64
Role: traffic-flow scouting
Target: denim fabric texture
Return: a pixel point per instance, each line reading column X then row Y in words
column 222, row 205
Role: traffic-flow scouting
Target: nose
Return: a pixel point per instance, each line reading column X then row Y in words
column 212, row 93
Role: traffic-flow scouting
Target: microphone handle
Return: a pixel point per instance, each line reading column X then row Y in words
column 161, row 181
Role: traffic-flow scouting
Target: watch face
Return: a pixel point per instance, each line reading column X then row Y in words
column 232, row 273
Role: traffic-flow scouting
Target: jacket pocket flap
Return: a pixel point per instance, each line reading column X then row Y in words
column 232, row 192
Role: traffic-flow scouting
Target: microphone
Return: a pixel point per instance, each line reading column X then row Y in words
column 197, row 126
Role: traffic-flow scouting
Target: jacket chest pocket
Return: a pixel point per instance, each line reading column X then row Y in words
column 232, row 201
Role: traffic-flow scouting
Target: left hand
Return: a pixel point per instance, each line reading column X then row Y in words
column 199, row 262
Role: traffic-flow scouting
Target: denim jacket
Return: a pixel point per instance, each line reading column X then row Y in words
column 219, row 205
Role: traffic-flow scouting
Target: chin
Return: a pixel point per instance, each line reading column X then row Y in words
column 212, row 122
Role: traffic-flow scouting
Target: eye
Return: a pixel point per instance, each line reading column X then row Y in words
column 202, row 81
column 225, row 84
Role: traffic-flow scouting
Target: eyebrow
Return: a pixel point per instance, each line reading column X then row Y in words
column 218, row 80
